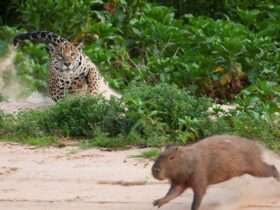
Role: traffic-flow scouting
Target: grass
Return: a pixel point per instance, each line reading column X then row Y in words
column 34, row 141
column 155, row 116
column 149, row 154
column 3, row 48
column 2, row 98
column 102, row 141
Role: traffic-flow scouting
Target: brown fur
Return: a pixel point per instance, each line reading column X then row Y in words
column 210, row 161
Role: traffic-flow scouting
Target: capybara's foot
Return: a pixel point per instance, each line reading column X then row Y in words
column 159, row 202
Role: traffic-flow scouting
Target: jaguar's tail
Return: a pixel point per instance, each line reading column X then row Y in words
column 39, row 36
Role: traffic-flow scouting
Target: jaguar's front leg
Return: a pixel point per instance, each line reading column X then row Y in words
column 94, row 81
column 56, row 87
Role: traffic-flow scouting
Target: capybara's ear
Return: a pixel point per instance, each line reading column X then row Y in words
column 168, row 146
column 177, row 149
column 175, row 153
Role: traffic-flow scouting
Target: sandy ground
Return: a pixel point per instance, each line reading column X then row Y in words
column 34, row 101
column 70, row 179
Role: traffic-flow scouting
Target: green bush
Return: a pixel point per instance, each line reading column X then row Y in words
column 140, row 42
column 263, row 96
column 3, row 48
column 252, row 124
column 166, row 104
column 32, row 62
column 227, row 54
column 66, row 17
column 218, row 58
column 213, row 8
column 147, row 115
column 2, row 120
column 76, row 117
column 219, row 8
column 6, row 35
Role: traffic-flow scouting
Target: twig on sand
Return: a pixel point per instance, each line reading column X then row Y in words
column 127, row 183
column 271, row 206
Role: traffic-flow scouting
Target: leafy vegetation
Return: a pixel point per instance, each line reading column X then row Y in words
column 149, row 154
column 147, row 116
column 171, row 60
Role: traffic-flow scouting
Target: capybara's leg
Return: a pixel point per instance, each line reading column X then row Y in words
column 173, row 192
column 197, row 198
column 265, row 170
column 199, row 191
column 275, row 173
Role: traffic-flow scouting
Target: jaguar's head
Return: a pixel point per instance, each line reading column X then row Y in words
column 68, row 54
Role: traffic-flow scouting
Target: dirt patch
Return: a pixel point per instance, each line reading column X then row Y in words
column 32, row 102
column 70, row 178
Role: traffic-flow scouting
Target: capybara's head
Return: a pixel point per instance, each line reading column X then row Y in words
column 163, row 167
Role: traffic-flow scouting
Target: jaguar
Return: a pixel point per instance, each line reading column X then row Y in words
column 70, row 69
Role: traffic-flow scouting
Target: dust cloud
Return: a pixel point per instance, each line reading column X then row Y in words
column 247, row 192
column 12, row 90
column 10, row 86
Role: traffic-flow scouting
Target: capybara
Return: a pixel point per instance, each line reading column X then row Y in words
column 212, row 160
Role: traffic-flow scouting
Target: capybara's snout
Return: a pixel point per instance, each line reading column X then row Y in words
column 157, row 171
column 275, row 173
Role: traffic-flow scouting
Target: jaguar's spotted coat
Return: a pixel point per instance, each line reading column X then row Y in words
column 70, row 70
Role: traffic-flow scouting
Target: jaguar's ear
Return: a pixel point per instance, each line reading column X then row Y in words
column 80, row 46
